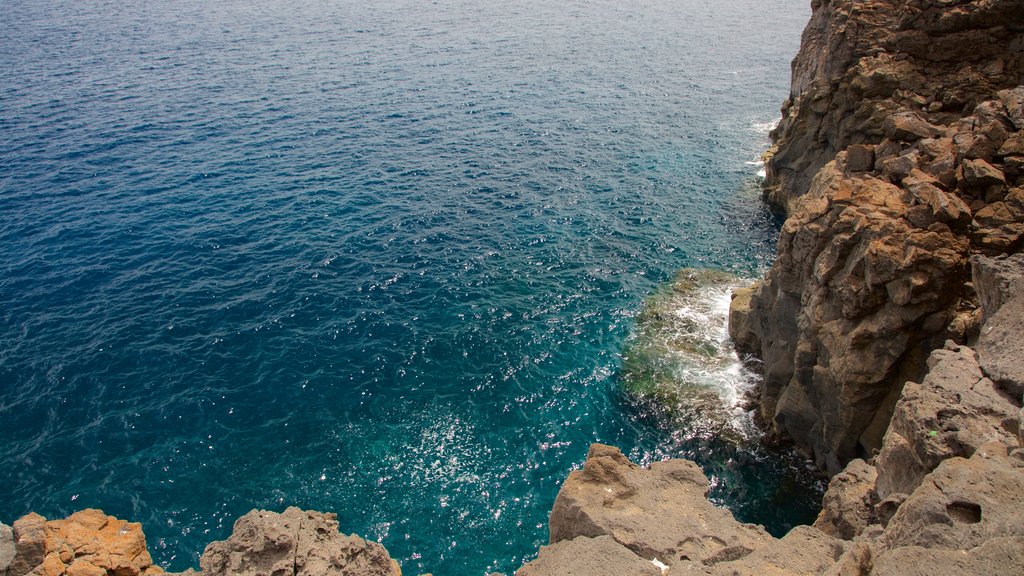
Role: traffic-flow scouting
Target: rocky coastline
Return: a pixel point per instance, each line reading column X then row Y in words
column 888, row 332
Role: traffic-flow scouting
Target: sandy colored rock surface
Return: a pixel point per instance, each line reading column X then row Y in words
column 848, row 505
column 294, row 543
column 6, row 547
column 661, row 512
column 583, row 556
column 952, row 412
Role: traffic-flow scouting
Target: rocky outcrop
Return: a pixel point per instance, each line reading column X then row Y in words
column 660, row 515
column 90, row 543
column 87, row 543
column 899, row 156
column 296, row 542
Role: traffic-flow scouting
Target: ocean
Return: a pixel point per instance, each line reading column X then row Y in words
column 395, row 260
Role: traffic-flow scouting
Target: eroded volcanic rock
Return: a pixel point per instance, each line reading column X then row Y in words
column 899, row 156
column 294, row 543
column 87, row 543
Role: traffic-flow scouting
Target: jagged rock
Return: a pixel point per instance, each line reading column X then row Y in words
column 296, row 543
column 739, row 317
column 952, row 412
column 1014, row 102
column 996, row 280
column 582, row 556
column 6, row 547
column 910, row 126
column 659, row 513
column 847, row 507
column 864, row 67
column 860, row 158
column 840, row 316
column 1001, row 346
column 87, row 543
column 962, row 504
column 978, row 174
column 999, row 226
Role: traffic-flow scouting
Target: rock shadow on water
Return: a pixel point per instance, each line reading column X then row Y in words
column 681, row 376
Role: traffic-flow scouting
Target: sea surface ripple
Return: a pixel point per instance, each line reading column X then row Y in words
column 377, row 258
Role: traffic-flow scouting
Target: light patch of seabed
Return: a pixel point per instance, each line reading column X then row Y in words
column 680, row 363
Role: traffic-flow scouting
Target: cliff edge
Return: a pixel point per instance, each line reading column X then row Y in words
column 900, row 156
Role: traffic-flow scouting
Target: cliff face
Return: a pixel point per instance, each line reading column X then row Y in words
column 863, row 61
column 900, row 154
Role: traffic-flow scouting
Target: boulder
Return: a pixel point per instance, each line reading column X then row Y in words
column 29, row 544
column 661, row 512
column 996, row 280
column 860, row 158
column 294, row 543
column 848, row 505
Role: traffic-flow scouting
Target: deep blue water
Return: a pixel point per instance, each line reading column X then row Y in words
column 378, row 258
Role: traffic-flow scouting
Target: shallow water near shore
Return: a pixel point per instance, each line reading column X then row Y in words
column 379, row 259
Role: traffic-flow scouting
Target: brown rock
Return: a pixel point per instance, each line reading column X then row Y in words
column 996, row 557
column 804, row 551
column 601, row 556
column 860, row 158
column 978, row 174
column 854, row 289
column 30, row 544
column 996, row 280
column 847, row 508
column 659, row 513
column 294, row 542
column 1014, row 101
column 739, row 321
column 953, row 412
column 1001, row 346
column 910, row 127
column 963, row 504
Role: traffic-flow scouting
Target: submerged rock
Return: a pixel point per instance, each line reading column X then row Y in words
column 679, row 357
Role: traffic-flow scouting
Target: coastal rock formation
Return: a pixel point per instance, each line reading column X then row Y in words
column 899, row 156
column 660, row 515
column 90, row 543
column 87, row 543
column 295, row 542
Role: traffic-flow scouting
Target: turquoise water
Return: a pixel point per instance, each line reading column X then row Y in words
column 374, row 258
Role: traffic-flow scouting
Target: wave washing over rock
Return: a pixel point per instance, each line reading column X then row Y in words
column 889, row 327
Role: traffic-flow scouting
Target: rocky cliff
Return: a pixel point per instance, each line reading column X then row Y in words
column 899, row 156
